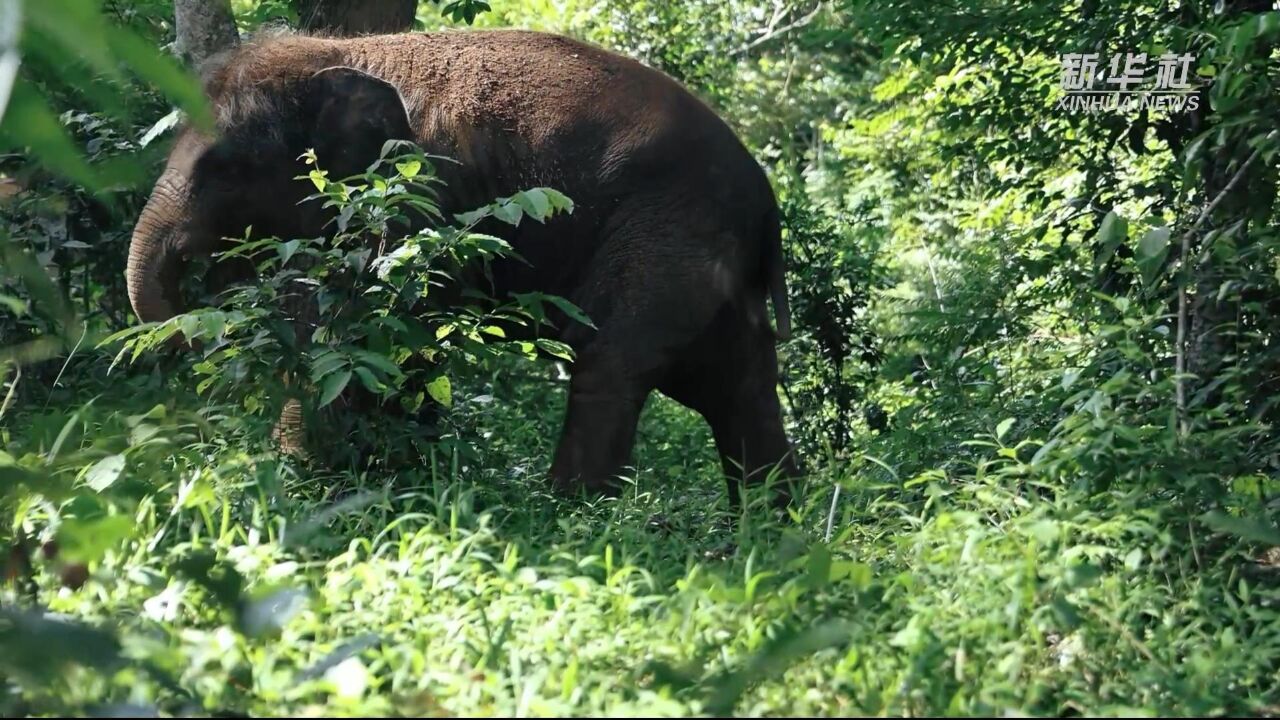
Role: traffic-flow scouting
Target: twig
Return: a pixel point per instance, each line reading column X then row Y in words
column 772, row 32
column 58, row 379
column 13, row 387
column 831, row 514
column 1180, row 352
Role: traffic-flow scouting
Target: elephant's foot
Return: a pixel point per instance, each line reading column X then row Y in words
column 599, row 431
column 572, row 486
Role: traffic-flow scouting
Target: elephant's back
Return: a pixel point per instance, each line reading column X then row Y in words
column 527, row 79
column 515, row 107
column 542, row 107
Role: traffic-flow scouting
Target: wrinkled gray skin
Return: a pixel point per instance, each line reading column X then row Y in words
column 673, row 249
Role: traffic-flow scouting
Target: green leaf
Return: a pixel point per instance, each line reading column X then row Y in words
column 30, row 122
column 569, row 309
column 325, row 363
column 379, row 362
column 474, row 216
column 40, row 646
column 1065, row 613
column 319, row 179
column 559, row 201
column 1113, row 231
column 286, row 250
column 267, row 612
column 162, row 71
column 554, row 348
column 105, row 472
column 819, row 567
column 1153, row 248
column 409, row 168
column 334, row 384
column 1044, row 531
column 371, row 383
column 441, row 390
column 15, row 305
column 1004, row 426
column 1082, row 575
column 82, row 540
column 508, row 212
column 788, row 646
column 535, row 204
column 855, row 573
column 1251, row 529
column 78, row 28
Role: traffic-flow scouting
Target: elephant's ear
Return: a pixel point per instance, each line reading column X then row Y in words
column 355, row 115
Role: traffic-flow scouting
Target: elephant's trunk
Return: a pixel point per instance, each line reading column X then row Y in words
column 155, row 262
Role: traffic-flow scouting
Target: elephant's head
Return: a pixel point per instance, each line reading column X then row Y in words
column 242, row 175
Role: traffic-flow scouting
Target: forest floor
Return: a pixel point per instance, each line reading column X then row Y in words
column 463, row 589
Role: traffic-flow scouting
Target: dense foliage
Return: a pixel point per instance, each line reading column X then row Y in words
column 1032, row 383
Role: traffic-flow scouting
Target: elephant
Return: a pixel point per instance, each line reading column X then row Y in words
column 674, row 248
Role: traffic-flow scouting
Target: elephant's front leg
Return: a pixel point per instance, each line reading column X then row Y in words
column 599, row 429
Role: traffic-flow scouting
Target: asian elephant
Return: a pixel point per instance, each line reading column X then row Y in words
column 673, row 249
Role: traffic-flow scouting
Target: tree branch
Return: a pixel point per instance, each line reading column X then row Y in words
column 772, row 31
column 1180, row 357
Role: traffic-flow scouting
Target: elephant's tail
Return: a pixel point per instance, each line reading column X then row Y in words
column 775, row 273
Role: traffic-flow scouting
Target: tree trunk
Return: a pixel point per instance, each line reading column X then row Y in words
column 356, row 17
column 205, row 28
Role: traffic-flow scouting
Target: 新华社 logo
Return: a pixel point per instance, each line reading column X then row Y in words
column 1128, row 82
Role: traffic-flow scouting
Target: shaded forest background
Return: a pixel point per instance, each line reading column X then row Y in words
column 1033, row 381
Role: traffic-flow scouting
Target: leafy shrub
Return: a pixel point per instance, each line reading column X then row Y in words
column 354, row 316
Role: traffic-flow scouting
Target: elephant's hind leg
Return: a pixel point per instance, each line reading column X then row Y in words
column 730, row 377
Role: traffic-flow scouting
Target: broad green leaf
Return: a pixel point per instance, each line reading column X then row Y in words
column 857, row 574
column 569, row 309
column 474, row 216
column 1113, row 231
column 162, row 71
column 441, row 390
column 535, row 204
column 409, row 168
column 1153, row 248
column 1251, row 529
column 819, row 567
column 1082, row 575
column 326, row 363
column 268, row 612
column 15, row 305
column 780, row 652
column 555, row 348
column 379, row 362
column 286, row 250
column 334, row 384
column 371, row 383
column 30, row 122
column 508, row 212
column 39, row 645
column 86, row 540
column 1004, row 426
column 105, row 472
column 559, row 201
